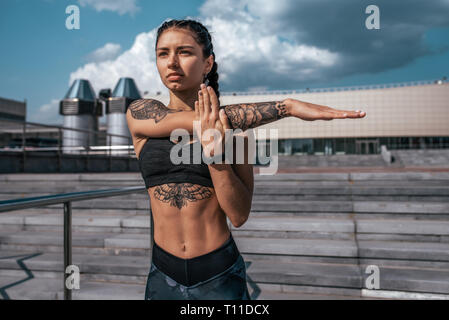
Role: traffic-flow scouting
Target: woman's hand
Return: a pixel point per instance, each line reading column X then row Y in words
column 310, row 112
column 210, row 117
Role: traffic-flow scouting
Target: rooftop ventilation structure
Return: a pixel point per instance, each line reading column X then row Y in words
column 117, row 104
column 81, row 110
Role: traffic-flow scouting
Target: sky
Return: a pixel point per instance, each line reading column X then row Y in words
column 259, row 44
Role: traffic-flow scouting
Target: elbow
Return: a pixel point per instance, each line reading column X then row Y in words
column 240, row 220
column 238, row 224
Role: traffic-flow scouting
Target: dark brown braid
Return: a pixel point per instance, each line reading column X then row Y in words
column 202, row 36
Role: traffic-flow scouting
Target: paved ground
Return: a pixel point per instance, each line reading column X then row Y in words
column 356, row 169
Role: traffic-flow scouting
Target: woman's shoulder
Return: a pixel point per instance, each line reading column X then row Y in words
column 145, row 103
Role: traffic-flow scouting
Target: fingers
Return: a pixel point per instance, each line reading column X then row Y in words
column 214, row 102
column 197, row 111
column 224, row 119
column 343, row 114
column 206, row 100
column 200, row 103
column 354, row 114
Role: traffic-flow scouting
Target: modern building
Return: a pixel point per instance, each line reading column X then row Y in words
column 413, row 115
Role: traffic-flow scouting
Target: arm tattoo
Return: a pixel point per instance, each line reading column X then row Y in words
column 177, row 194
column 252, row 115
column 149, row 109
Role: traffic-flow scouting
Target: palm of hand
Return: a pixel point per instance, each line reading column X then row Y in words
column 207, row 113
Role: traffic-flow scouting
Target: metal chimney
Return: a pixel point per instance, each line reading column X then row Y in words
column 124, row 93
column 81, row 110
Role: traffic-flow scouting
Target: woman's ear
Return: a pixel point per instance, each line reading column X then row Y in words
column 209, row 64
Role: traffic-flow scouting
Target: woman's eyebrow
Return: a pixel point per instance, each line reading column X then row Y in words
column 178, row 48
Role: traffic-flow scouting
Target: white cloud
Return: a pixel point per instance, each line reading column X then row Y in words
column 243, row 50
column 120, row 6
column 248, row 55
column 108, row 52
column 47, row 113
column 138, row 62
column 283, row 44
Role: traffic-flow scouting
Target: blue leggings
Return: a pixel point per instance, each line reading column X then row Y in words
column 217, row 275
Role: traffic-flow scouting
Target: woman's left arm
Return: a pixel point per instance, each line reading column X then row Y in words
column 234, row 186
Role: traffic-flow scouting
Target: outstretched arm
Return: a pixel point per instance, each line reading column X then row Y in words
column 151, row 118
column 253, row 115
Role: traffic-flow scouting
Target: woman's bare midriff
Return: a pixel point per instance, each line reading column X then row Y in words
column 196, row 229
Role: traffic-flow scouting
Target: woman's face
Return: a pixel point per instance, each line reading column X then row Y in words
column 180, row 61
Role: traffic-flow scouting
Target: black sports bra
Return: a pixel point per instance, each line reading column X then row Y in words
column 157, row 168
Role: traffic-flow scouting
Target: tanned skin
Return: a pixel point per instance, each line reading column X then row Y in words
column 150, row 109
column 190, row 219
column 241, row 116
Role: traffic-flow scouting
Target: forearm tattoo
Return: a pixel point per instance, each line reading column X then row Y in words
column 177, row 194
column 149, row 109
column 253, row 115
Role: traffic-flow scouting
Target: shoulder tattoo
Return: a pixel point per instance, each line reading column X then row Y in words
column 149, row 109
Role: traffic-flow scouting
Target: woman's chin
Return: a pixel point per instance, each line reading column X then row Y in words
column 175, row 86
column 178, row 87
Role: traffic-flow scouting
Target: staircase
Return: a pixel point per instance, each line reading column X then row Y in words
column 309, row 236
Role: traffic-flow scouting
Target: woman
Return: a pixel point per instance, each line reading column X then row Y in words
column 194, row 255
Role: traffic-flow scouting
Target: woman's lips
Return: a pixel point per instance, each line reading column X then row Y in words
column 174, row 76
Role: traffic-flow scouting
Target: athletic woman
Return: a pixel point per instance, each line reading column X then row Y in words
column 194, row 255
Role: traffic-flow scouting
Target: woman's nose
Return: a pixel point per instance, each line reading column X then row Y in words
column 172, row 61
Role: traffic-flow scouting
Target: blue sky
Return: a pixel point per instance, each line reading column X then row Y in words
column 295, row 44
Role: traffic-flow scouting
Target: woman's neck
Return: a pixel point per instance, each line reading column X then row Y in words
column 183, row 100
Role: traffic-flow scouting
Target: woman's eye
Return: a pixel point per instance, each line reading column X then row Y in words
column 183, row 52
column 162, row 54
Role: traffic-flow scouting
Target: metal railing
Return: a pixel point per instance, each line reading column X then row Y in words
column 25, row 128
column 66, row 199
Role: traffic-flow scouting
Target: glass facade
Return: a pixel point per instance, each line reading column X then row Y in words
column 358, row 145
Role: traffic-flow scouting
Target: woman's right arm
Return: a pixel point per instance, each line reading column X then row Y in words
column 151, row 118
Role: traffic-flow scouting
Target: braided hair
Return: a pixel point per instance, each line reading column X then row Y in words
column 202, row 36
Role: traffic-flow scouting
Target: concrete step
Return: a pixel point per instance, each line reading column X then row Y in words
column 316, row 197
column 22, row 193
column 253, row 245
column 89, row 264
column 259, row 272
column 295, row 206
column 90, row 177
column 385, row 190
column 276, row 193
column 135, row 178
column 79, row 219
column 401, row 207
column 404, row 250
column 11, row 190
column 96, row 240
column 352, row 206
column 120, row 177
column 258, row 226
column 396, row 226
column 51, row 290
column 58, row 209
column 290, row 206
column 339, row 228
column 296, row 227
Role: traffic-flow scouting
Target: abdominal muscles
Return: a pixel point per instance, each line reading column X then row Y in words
column 188, row 220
